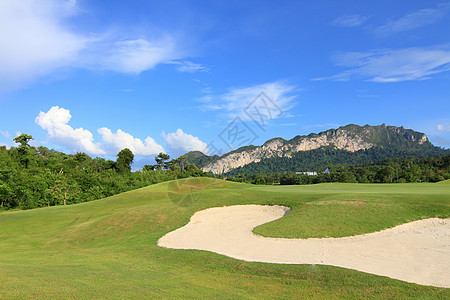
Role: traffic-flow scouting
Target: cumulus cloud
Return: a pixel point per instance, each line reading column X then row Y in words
column 350, row 20
column 56, row 120
column 180, row 140
column 122, row 139
column 59, row 132
column 274, row 98
column 414, row 20
column 392, row 65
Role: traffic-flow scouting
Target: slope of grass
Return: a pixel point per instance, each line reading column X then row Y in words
column 107, row 248
column 444, row 182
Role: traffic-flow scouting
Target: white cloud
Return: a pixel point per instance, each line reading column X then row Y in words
column 38, row 39
column 136, row 56
column 443, row 128
column 190, row 67
column 121, row 140
column 5, row 133
column 414, row 20
column 56, row 120
column 180, row 140
column 350, row 20
column 392, row 65
column 34, row 40
column 238, row 100
column 70, row 5
column 59, row 132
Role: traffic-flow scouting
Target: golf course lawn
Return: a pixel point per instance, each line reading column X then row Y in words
column 108, row 248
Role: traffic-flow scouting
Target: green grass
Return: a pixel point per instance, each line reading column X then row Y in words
column 444, row 182
column 107, row 248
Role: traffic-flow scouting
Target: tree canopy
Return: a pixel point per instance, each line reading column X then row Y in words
column 124, row 160
column 33, row 177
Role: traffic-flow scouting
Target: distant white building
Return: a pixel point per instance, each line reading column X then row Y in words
column 307, row 173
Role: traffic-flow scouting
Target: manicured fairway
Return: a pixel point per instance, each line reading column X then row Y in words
column 107, row 248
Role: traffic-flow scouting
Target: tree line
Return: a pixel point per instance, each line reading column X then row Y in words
column 32, row 177
column 398, row 170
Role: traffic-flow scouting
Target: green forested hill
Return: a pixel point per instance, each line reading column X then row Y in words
column 351, row 144
column 326, row 156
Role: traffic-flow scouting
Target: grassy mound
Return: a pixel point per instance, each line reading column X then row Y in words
column 444, row 181
column 107, row 248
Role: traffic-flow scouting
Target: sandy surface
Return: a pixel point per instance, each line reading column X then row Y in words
column 417, row 252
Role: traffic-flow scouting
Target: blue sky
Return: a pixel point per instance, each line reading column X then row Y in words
column 174, row 76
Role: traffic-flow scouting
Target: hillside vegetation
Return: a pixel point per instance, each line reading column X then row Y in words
column 35, row 177
column 351, row 144
column 398, row 170
column 108, row 248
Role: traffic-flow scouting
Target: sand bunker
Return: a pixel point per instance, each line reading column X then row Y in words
column 417, row 252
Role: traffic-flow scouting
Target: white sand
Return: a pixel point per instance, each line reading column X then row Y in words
column 417, row 252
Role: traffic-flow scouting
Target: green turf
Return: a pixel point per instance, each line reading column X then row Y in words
column 444, row 182
column 107, row 248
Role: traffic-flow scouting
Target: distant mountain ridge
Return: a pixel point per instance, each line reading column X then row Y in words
column 347, row 144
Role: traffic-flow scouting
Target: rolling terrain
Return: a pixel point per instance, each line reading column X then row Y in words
column 108, row 248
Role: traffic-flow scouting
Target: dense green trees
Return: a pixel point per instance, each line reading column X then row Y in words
column 313, row 159
column 35, row 177
column 124, row 160
column 386, row 171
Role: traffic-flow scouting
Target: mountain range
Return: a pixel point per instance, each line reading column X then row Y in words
column 350, row 144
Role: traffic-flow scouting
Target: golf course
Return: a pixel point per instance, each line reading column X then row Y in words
column 109, row 248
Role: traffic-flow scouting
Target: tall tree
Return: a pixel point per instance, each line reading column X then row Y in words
column 23, row 139
column 124, row 160
column 161, row 160
column 24, row 149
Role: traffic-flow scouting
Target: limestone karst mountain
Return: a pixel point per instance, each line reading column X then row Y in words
column 347, row 144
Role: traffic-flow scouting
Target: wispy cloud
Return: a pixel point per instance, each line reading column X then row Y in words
column 439, row 140
column 37, row 39
column 392, row 65
column 236, row 100
column 136, row 56
column 189, row 67
column 443, row 127
column 350, row 20
column 414, row 20
column 34, row 41
column 5, row 133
